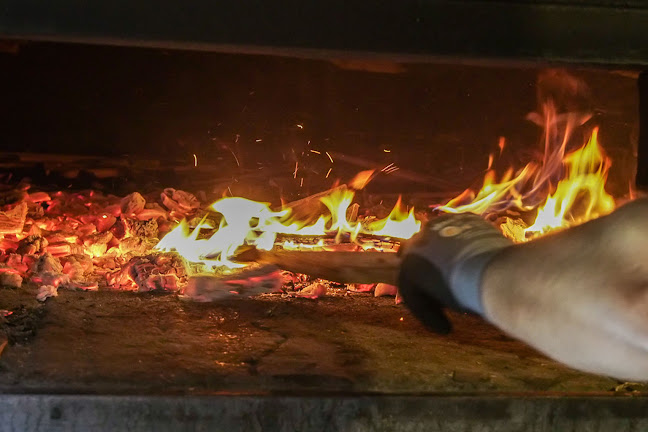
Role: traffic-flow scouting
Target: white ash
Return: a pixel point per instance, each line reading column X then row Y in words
column 46, row 291
column 313, row 291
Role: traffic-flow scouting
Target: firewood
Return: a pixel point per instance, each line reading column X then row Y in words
column 344, row 267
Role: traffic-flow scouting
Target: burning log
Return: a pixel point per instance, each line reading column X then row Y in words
column 248, row 282
column 344, row 267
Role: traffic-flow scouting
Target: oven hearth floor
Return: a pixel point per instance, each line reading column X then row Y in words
column 120, row 342
column 107, row 361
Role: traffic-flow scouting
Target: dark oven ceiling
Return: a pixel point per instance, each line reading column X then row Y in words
column 598, row 32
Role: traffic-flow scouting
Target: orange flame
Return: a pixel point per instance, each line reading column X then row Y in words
column 566, row 190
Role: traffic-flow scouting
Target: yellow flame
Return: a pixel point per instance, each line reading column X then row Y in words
column 398, row 224
column 583, row 190
column 246, row 222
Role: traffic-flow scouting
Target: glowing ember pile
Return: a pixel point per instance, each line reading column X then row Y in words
column 87, row 240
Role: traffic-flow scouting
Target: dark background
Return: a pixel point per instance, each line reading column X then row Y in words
column 437, row 120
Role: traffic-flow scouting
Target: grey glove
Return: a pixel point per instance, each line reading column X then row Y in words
column 443, row 266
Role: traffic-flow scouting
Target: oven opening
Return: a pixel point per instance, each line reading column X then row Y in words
column 181, row 222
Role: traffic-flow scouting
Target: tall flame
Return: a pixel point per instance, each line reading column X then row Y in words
column 565, row 190
column 587, row 171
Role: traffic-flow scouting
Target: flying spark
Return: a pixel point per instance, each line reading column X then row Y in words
column 329, row 172
column 195, row 160
column 329, row 156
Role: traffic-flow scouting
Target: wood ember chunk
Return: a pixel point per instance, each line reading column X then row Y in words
column 98, row 238
column 12, row 221
column 84, row 286
column 12, row 280
column 383, row 289
column 35, row 211
column 73, row 269
column 141, row 229
column 157, row 272
column 132, row 204
column 84, row 260
column 118, row 230
column 152, row 211
column 136, row 245
column 179, row 201
column 105, row 222
column 247, row 282
column 8, row 244
column 59, row 249
column 32, row 244
column 361, row 287
column 32, row 229
column 19, row 263
column 106, row 262
column 399, row 298
column 113, row 210
column 313, row 291
column 47, row 263
column 38, row 197
column 46, row 291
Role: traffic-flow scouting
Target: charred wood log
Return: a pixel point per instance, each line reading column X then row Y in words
column 343, row 267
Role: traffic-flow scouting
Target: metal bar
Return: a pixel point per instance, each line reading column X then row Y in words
column 604, row 32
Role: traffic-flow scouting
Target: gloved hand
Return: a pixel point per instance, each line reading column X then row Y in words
column 443, row 265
